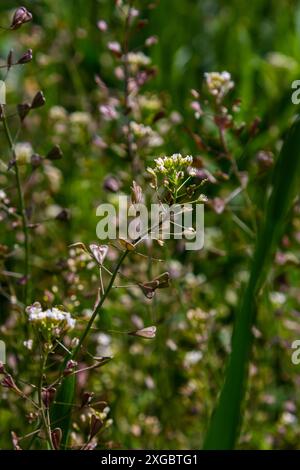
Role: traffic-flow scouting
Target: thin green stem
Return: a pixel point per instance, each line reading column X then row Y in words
column 99, row 304
column 22, row 210
column 44, row 413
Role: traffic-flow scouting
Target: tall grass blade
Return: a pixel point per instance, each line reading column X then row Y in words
column 60, row 412
column 226, row 419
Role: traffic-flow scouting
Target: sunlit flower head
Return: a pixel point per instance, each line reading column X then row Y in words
column 53, row 320
column 219, row 84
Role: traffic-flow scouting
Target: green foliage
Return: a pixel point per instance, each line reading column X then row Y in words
column 226, row 419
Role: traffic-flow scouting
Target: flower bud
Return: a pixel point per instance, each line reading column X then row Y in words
column 136, row 193
column 70, row 367
column 8, row 382
column 48, row 396
column 21, row 16
column 56, row 436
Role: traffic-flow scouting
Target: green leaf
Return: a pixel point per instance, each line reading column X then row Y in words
column 226, row 419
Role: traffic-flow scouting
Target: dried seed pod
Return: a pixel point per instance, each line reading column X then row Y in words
column 21, row 16
column 56, row 436
column 159, row 282
column 71, row 365
column 149, row 332
column 23, row 110
column 39, row 100
column 96, row 425
column 126, row 244
column 136, row 193
column 48, row 395
column 98, row 252
column 55, row 153
column 8, row 382
column 26, row 57
column 86, row 399
column 9, row 60
column 15, row 441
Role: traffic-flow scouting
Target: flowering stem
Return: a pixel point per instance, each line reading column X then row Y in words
column 22, row 210
column 44, row 417
column 99, row 304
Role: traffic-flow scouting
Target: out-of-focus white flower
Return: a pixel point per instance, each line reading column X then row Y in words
column 104, row 345
column 146, row 132
column 23, row 152
column 58, row 113
column 54, row 176
column 288, row 418
column 102, row 25
column 192, row 357
column 277, row 298
column 28, row 344
column 114, row 46
column 219, row 84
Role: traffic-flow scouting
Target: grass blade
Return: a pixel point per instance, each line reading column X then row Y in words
column 226, row 419
column 62, row 408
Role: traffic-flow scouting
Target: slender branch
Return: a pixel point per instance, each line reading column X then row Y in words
column 44, row 415
column 99, row 304
column 22, row 209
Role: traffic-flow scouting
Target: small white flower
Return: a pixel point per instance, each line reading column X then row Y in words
column 80, row 118
column 23, row 152
column 219, row 84
column 2, row 195
column 58, row 113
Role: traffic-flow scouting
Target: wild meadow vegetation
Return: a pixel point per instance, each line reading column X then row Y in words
column 139, row 343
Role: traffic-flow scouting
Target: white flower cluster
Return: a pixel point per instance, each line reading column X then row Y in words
column 138, row 59
column 219, row 84
column 52, row 318
column 175, row 162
